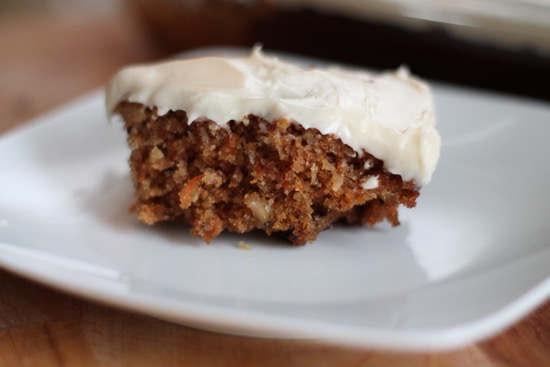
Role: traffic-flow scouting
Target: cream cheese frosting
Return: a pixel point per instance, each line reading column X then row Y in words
column 390, row 115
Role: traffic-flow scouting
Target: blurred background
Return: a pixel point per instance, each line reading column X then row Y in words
column 52, row 50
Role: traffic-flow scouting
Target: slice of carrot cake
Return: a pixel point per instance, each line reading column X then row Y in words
column 244, row 143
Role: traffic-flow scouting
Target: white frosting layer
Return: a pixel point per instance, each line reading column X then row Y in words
column 389, row 115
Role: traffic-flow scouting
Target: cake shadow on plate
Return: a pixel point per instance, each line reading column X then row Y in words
column 109, row 201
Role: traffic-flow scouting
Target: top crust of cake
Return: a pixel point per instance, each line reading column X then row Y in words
column 388, row 115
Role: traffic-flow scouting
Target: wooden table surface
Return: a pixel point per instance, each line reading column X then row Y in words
column 48, row 59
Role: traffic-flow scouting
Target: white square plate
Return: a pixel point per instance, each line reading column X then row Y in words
column 470, row 260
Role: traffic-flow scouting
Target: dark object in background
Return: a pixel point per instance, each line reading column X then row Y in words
column 431, row 52
column 178, row 25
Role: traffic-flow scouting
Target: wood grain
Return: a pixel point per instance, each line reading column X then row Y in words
column 53, row 59
column 47, row 60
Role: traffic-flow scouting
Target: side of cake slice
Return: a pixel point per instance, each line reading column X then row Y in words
column 244, row 143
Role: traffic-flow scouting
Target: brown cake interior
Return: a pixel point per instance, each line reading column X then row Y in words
column 274, row 176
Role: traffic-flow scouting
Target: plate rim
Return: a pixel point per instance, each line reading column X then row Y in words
column 247, row 324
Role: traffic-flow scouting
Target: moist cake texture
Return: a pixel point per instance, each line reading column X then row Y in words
column 244, row 143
